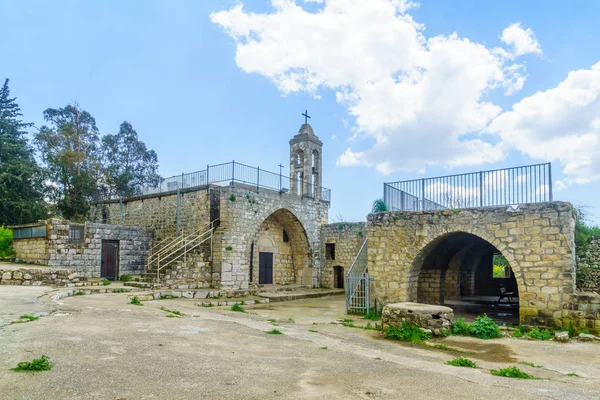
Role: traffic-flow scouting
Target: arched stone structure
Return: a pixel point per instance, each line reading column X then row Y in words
column 537, row 240
column 440, row 264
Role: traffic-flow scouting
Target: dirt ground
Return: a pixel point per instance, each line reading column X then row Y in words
column 103, row 347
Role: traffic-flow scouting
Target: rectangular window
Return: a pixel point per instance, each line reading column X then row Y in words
column 29, row 232
column 330, row 251
column 76, row 233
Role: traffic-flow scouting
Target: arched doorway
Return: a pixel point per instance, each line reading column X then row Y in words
column 279, row 252
column 468, row 274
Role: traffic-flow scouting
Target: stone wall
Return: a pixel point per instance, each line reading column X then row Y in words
column 243, row 211
column 32, row 251
column 158, row 212
column 193, row 273
column 39, row 276
column 537, row 240
column 347, row 237
column 588, row 267
column 269, row 239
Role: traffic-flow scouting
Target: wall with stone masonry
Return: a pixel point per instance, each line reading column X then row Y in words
column 158, row 212
column 537, row 240
column 194, row 272
column 32, row 251
column 588, row 267
column 269, row 239
column 27, row 276
column 241, row 219
column 348, row 237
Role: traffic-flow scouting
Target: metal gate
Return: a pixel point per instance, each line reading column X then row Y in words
column 358, row 284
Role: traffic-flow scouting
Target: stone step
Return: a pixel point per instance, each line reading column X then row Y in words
column 282, row 288
column 142, row 285
column 300, row 294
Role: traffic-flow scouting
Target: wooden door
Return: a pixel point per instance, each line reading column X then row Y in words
column 338, row 277
column 265, row 268
column 110, row 259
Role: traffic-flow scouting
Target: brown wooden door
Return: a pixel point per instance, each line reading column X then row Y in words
column 265, row 268
column 110, row 259
column 338, row 277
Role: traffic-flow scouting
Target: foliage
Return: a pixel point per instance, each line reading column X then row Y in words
column 69, row 148
column 313, row 330
column 28, row 317
column 125, row 278
column 21, row 179
column 106, row 282
column 237, row 308
column 172, row 312
column 38, row 364
column 539, row 334
column 228, row 248
column 407, row 333
column 6, row 237
column 511, row 372
column 372, row 315
column 584, row 232
column 232, row 197
column 498, row 271
column 135, row 301
column 460, row 328
column 530, row 364
column 128, row 164
column 445, row 332
column 520, row 331
column 572, row 374
column 274, row 332
column 324, row 348
column 484, row 328
column 462, row 362
column 379, row 206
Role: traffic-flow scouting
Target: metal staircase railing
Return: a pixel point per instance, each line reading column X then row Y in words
column 174, row 248
column 358, row 283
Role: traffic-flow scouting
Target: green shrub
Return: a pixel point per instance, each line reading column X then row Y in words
column 372, row 315
column 125, row 278
column 135, row 301
column 460, row 327
column 406, row 333
column 232, row 197
column 512, row 372
column 228, row 248
column 462, row 362
column 6, row 237
column 106, row 282
column 274, row 332
column 237, row 308
column 537, row 333
column 39, row 364
column 520, row 331
column 484, row 328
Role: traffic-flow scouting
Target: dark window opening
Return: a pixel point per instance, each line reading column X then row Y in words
column 104, row 217
column 76, row 233
column 286, row 238
column 29, row 232
column 330, row 251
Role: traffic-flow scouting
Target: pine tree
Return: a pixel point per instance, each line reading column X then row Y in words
column 21, row 179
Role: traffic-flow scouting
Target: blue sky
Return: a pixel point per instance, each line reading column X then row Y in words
column 172, row 72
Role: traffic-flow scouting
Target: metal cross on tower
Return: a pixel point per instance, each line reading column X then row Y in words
column 306, row 116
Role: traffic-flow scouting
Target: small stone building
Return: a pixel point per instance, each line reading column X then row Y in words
column 94, row 250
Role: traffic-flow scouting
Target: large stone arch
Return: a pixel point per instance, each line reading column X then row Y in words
column 291, row 257
column 536, row 239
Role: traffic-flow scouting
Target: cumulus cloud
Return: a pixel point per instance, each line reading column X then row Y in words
column 522, row 41
column 418, row 101
column 559, row 124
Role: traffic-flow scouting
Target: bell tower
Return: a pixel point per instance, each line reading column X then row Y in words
column 305, row 162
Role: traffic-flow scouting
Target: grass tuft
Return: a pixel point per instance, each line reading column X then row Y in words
column 572, row 374
column 106, row 282
column 135, row 301
column 324, row 348
column 512, row 372
column 237, row 308
column 274, row 332
column 530, row 364
column 39, row 364
column 407, row 333
column 28, row 317
column 125, row 278
column 462, row 362
column 172, row 313
column 313, row 330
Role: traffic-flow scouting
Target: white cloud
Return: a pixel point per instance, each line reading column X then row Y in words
column 418, row 101
column 559, row 124
column 523, row 41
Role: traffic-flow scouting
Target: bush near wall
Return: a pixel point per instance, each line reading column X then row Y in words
column 6, row 237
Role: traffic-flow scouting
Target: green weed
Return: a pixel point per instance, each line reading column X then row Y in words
column 372, row 315
column 232, row 197
column 274, row 332
column 572, row 374
column 174, row 312
column 407, row 333
column 39, row 364
column 530, row 364
column 125, row 278
column 237, row 308
column 460, row 327
column 462, row 362
column 228, row 248
column 512, row 372
column 539, row 334
column 484, row 328
column 106, row 282
column 207, row 305
column 324, row 348
column 313, row 330
column 28, row 317
column 79, row 293
column 135, row 301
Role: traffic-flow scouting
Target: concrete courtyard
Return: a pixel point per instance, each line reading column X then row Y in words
column 103, row 347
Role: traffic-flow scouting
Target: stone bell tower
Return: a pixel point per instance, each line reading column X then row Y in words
column 305, row 162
